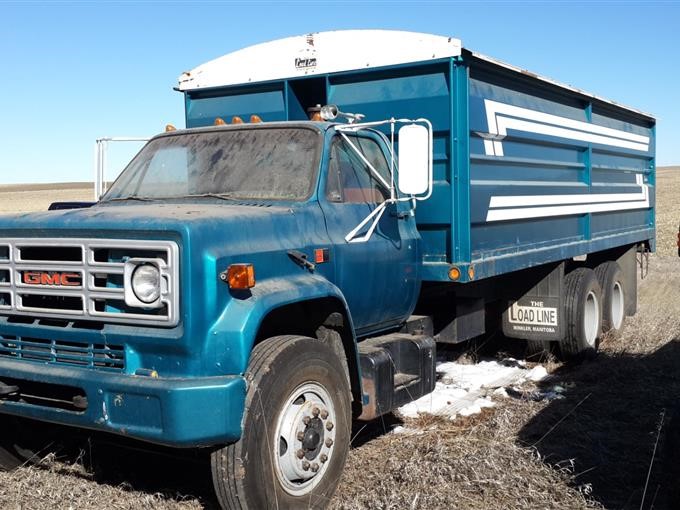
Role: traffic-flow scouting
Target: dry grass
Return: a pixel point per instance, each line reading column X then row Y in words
column 668, row 210
column 590, row 450
column 68, row 485
column 472, row 463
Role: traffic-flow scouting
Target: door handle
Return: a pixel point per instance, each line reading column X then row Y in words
column 301, row 259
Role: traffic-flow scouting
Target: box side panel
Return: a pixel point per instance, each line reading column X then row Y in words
column 553, row 175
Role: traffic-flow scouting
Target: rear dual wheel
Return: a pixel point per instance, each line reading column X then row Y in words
column 583, row 310
column 610, row 277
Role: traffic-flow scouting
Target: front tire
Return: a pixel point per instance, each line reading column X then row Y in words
column 583, row 311
column 296, row 429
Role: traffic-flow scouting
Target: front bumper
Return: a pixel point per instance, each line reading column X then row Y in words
column 185, row 412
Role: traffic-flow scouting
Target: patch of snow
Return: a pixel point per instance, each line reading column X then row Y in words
column 464, row 389
column 442, row 396
column 483, row 374
column 476, row 407
column 399, row 429
column 500, row 392
column 538, row 373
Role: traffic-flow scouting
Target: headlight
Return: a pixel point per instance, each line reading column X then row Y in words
column 146, row 283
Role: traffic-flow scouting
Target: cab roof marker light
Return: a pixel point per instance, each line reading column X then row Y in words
column 219, row 121
column 170, row 127
column 236, row 120
column 254, row 119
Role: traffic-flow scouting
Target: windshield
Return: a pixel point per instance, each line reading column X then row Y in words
column 260, row 163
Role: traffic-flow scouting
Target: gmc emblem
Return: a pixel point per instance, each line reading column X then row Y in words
column 52, row 279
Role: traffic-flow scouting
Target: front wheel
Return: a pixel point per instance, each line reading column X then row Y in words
column 296, row 429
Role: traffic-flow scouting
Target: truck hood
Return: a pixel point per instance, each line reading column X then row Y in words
column 211, row 236
column 205, row 229
column 152, row 216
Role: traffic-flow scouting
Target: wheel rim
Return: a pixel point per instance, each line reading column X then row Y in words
column 305, row 434
column 591, row 318
column 617, row 306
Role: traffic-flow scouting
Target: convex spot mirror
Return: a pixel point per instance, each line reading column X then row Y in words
column 414, row 159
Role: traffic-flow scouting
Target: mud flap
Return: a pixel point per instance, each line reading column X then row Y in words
column 538, row 314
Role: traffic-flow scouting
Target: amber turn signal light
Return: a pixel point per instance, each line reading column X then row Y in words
column 239, row 276
column 454, row 273
column 471, row 272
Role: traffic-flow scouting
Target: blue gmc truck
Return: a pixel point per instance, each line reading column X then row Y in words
column 338, row 204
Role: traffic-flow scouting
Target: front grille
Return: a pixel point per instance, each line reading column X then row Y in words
column 89, row 355
column 82, row 279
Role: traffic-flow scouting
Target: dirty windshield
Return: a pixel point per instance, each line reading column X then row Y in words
column 260, row 163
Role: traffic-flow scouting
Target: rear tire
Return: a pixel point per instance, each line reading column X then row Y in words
column 296, row 429
column 614, row 299
column 583, row 314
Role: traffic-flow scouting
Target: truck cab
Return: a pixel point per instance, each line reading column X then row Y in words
column 213, row 243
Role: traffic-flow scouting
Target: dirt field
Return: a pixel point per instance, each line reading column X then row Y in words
column 604, row 446
column 36, row 197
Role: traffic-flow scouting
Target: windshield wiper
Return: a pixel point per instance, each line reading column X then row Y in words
column 221, row 196
column 130, row 197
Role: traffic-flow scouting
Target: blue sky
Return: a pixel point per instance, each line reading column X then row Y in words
column 76, row 71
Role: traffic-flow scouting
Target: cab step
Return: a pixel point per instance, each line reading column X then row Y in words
column 396, row 369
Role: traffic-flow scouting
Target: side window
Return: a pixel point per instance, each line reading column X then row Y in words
column 350, row 180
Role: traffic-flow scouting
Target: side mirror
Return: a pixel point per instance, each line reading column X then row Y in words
column 415, row 160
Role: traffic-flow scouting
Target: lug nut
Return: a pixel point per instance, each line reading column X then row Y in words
column 315, row 412
column 315, row 467
column 324, row 414
column 306, row 420
column 329, row 425
column 329, row 442
column 305, row 465
column 323, row 457
column 300, row 454
column 300, row 436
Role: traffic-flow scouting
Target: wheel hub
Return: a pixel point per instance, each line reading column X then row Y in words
column 313, row 438
column 306, row 434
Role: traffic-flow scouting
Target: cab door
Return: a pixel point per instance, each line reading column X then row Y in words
column 380, row 278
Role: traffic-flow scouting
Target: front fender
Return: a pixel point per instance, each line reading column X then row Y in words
column 232, row 335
